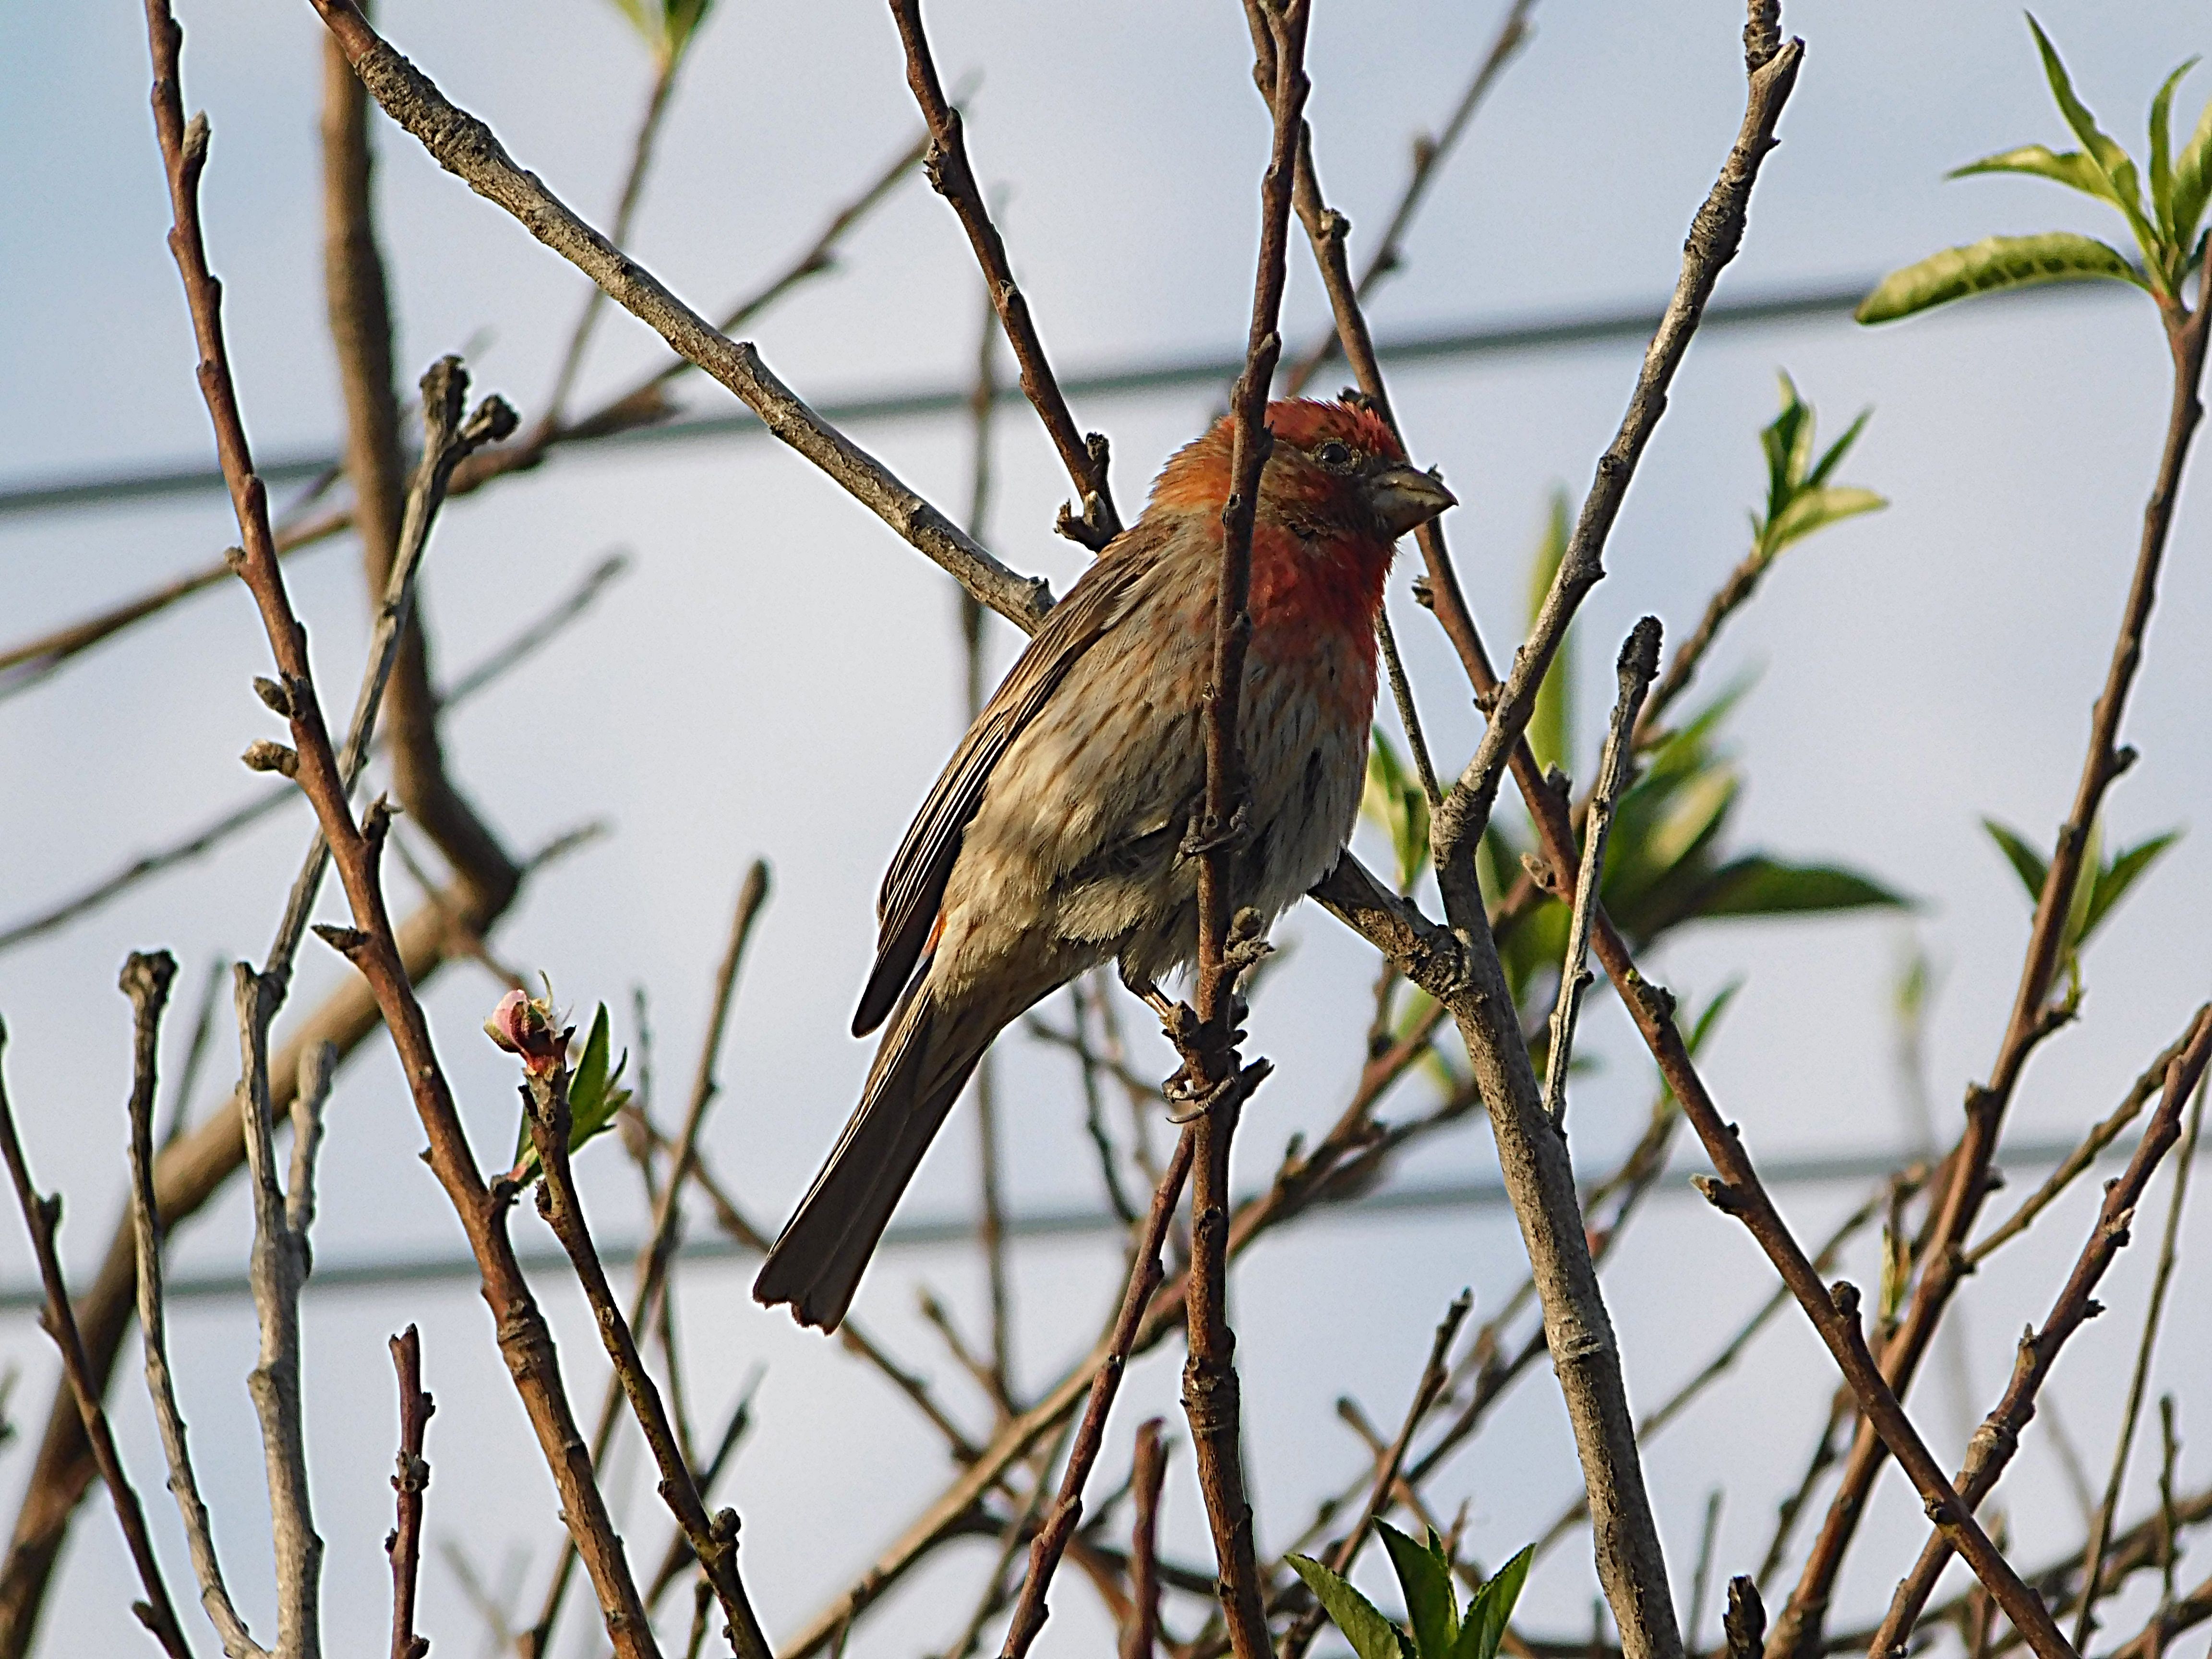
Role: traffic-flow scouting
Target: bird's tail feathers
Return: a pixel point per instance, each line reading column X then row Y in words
column 926, row 1060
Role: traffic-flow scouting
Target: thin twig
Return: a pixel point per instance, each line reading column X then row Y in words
column 1798, row 1630
column 714, row 1539
column 649, row 1287
column 1301, row 1634
column 2107, row 1511
column 410, row 1481
column 525, row 1339
column 1639, row 661
column 735, row 1425
column 1701, row 1579
column 278, row 1269
column 180, row 1095
column 2084, row 1157
column 1994, row 1443
column 1020, row 1524
column 237, row 1641
column 465, row 147
column 1092, row 520
column 1401, row 693
column 1146, row 1477
column 1428, row 154
column 146, row 981
column 668, row 60
column 1145, row 1275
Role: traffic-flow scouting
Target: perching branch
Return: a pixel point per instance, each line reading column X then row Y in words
column 146, row 981
column 1084, row 456
column 1217, row 1079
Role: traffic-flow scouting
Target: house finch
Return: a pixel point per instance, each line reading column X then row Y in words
column 1055, row 839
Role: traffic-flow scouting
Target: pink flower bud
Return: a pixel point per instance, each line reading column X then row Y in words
column 523, row 1025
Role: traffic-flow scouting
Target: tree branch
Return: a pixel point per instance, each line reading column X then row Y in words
column 146, row 981
column 1995, row 1442
column 1797, row 1631
column 466, row 148
column 1084, row 456
column 1145, row 1273
column 410, row 1481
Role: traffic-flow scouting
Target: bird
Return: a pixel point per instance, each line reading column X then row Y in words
column 1059, row 835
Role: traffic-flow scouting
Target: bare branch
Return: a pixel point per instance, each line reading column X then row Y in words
column 1302, row 1633
column 1146, row 1479
column 1639, row 661
column 465, row 147
column 1084, row 457
column 1145, row 1275
column 410, row 1481
column 278, row 1268
column 2107, row 1511
column 1969, row 1165
column 145, row 1225
column 649, row 1289
column 370, row 944
column 146, row 981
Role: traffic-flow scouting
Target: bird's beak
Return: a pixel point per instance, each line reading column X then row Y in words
column 1403, row 498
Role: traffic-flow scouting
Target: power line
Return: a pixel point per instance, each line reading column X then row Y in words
column 386, row 1272
column 1537, row 334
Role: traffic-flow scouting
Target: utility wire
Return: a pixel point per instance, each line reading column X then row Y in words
column 386, row 1272
column 1537, row 334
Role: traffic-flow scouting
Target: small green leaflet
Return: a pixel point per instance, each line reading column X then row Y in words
column 2094, row 898
column 1995, row 262
column 594, row 1097
column 1440, row 1630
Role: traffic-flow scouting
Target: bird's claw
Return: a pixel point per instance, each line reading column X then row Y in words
column 1199, row 838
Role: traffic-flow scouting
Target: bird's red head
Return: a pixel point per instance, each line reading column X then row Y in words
column 1336, row 473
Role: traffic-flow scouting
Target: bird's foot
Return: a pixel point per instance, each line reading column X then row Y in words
column 1203, row 835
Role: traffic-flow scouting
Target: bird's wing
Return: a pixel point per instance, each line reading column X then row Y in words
column 915, row 886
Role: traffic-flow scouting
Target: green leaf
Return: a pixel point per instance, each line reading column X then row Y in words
column 2030, row 865
column 1424, row 1577
column 1371, row 1635
column 2071, row 168
column 1995, row 263
column 1484, row 1627
column 1550, row 735
column 1393, row 801
column 1710, row 1015
column 2161, row 166
column 1813, row 509
column 1761, row 886
column 2115, row 878
column 2192, row 179
column 1788, row 442
column 2104, row 152
column 595, row 1098
column 1838, row 449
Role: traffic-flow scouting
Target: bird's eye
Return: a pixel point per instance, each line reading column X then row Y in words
column 1336, row 457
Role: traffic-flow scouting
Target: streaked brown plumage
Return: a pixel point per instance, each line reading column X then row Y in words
column 1051, row 843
